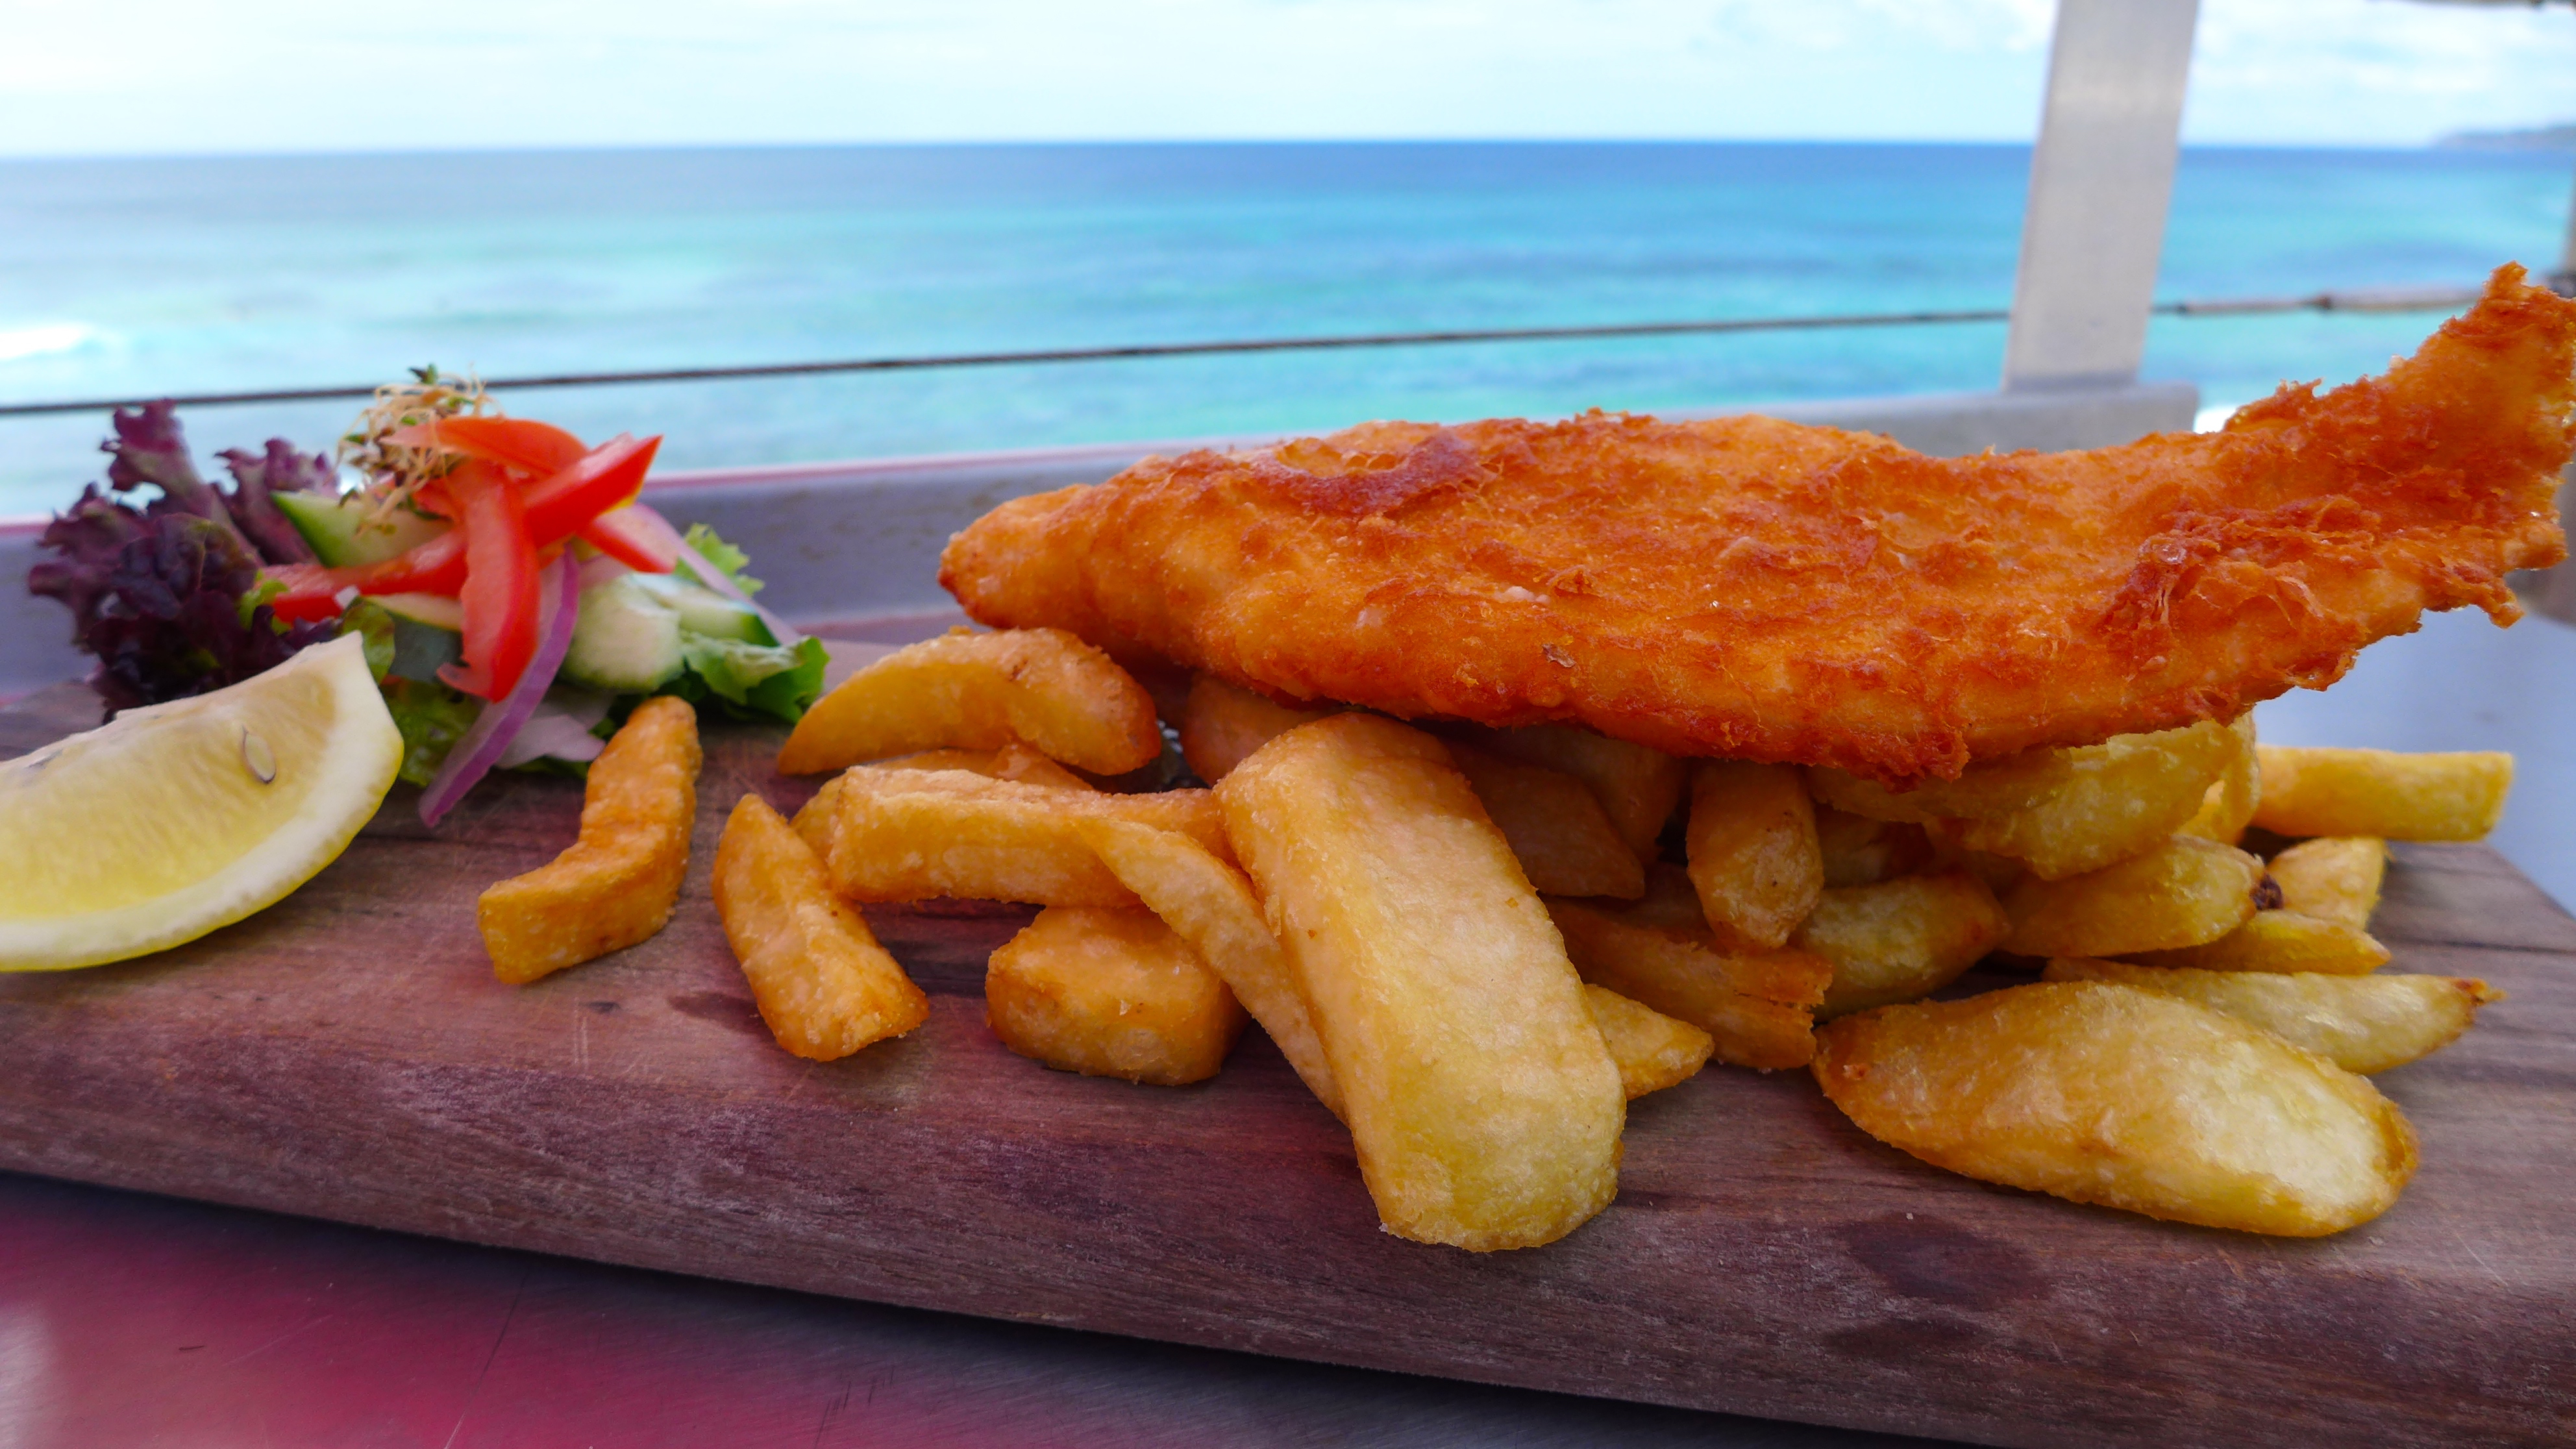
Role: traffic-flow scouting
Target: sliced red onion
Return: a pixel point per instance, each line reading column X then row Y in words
column 585, row 707
column 660, row 527
column 715, row 578
column 555, row 733
column 558, row 601
column 601, row 569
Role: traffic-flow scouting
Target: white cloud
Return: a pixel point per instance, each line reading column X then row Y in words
column 2387, row 71
column 160, row 76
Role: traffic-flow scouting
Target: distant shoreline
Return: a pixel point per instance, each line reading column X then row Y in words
column 2534, row 138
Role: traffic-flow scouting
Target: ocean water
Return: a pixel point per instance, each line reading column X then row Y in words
column 130, row 277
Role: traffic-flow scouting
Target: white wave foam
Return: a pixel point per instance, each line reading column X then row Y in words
column 20, row 343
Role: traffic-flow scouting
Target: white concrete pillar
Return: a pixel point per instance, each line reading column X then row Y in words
column 2100, row 180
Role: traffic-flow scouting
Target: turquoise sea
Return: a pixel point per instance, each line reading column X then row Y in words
column 175, row 276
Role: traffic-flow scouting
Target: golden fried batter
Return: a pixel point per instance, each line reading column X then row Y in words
column 1759, row 590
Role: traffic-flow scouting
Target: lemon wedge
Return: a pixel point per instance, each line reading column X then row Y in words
column 175, row 819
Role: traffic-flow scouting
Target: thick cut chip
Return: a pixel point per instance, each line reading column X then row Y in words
column 1860, row 851
column 2279, row 941
column 2000, row 872
column 1564, row 840
column 2063, row 812
column 2127, row 1098
column 1220, row 726
column 2229, row 806
column 1110, row 993
column 820, row 979
column 1485, row 1107
column 981, row 692
column 1014, row 761
column 1671, row 903
column 1554, row 821
column 1901, row 939
column 818, row 818
column 617, row 883
column 1210, row 904
column 820, row 815
column 2015, row 783
column 2383, row 793
column 908, row 835
column 2188, row 892
column 2360, row 1023
column 1753, row 854
column 2121, row 799
column 1759, row 1010
column 1653, row 1051
column 1637, row 787
column 2336, row 878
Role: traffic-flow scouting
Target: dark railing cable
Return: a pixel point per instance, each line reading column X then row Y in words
column 2422, row 300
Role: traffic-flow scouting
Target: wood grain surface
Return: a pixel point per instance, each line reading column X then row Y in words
column 348, row 1055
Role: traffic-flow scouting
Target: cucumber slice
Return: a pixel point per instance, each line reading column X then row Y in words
column 428, row 634
column 341, row 535
column 625, row 640
column 706, row 613
column 436, row 610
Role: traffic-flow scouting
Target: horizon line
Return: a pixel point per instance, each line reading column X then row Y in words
column 2454, row 141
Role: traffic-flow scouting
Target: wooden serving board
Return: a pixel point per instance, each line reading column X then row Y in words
column 348, row 1055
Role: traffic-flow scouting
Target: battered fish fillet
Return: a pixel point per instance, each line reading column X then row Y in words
column 1760, row 590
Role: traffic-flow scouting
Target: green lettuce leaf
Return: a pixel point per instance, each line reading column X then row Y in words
column 432, row 718
column 260, row 593
column 367, row 618
column 729, row 560
column 751, row 681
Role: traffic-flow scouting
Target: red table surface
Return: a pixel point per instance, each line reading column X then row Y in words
column 133, row 1320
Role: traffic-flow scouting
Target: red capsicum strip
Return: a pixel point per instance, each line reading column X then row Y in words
column 500, row 592
column 635, row 537
column 313, row 592
column 609, row 476
column 534, row 448
column 563, row 506
column 310, row 592
column 569, row 504
column 435, row 567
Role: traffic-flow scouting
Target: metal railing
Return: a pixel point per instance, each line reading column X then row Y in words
column 2420, row 299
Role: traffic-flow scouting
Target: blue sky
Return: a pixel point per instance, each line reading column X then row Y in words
column 152, row 76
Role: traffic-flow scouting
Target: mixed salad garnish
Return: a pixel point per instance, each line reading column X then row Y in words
column 515, row 598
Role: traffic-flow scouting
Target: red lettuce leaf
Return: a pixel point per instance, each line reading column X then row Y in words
column 149, row 447
column 256, row 477
column 161, row 594
column 88, row 538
